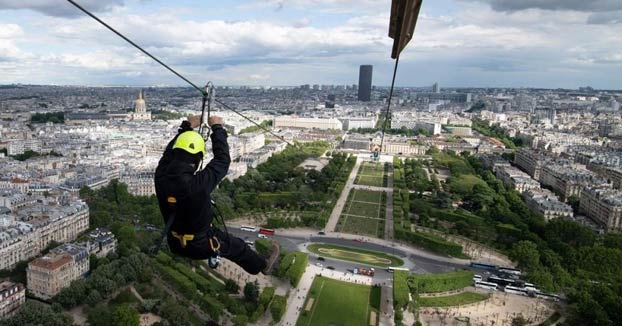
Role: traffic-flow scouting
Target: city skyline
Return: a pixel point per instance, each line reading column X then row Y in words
column 457, row 43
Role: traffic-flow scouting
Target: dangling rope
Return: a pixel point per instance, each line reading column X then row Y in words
column 387, row 114
column 202, row 91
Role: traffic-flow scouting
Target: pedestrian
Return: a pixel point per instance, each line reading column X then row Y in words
column 183, row 193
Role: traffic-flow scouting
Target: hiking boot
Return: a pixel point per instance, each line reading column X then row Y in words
column 271, row 258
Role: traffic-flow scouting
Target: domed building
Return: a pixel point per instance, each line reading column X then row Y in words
column 140, row 109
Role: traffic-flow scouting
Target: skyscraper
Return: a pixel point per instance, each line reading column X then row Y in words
column 365, row 74
column 435, row 88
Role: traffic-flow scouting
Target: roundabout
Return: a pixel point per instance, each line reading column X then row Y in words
column 355, row 255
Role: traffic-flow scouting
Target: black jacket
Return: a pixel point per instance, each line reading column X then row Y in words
column 175, row 178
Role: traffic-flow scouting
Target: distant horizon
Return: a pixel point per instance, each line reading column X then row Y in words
column 480, row 43
column 299, row 85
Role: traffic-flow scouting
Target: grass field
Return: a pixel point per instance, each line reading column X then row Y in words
column 367, row 257
column 364, row 213
column 431, row 283
column 362, row 225
column 366, row 196
column 453, row 300
column 325, row 304
column 371, row 174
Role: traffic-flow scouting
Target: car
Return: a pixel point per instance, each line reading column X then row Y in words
column 320, row 258
column 319, row 265
column 262, row 236
column 330, row 267
column 321, row 233
column 250, row 243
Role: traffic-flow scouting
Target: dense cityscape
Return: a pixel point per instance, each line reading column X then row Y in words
column 438, row 197
column 346, row 163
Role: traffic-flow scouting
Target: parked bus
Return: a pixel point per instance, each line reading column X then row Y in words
column 248, row 228
column 393, row 269
column 486, row 285
column 547, row 296
column 484, row 266
column 509, row 270
column 505, row 281
column 266, row 231
column 516, row 290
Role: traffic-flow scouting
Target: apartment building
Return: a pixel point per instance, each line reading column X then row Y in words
column 545, row 203
column 12, row 297
column 48, row 275
column 604, row 206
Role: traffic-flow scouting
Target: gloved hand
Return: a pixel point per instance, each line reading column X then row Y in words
column 195, row 121
column 215, row 120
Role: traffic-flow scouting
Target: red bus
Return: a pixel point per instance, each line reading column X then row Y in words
column 266, row 231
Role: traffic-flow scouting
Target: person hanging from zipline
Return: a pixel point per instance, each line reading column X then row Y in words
column 183, row 194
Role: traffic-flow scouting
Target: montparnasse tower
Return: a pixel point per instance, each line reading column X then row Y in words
column 140, row 108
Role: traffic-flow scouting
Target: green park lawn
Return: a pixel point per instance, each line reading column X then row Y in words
column 355, row 255
column 364, row 209
column 366, row 196
column 371, row 174
column 360, row 225
column 453, row 300
column 326, row 305
column 363, row 214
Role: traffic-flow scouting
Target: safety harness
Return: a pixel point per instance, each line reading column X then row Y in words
column 183, row 239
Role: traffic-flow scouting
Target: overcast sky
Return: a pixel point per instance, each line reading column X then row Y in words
column 500, row 43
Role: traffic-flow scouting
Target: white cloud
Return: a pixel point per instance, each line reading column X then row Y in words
column 469, row 44
column 60, row 8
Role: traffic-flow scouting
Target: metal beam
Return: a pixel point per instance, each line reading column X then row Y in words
column 404, row 15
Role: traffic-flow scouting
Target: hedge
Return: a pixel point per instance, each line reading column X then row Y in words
column 178, row 280
column 202, row 284
column 400, row 289
column 211, row 305
column 298, row 267
column 292, row 266
column 277, row 308
column 262, row 246
column 430, row 242
column 430, row 283
column 266, row 296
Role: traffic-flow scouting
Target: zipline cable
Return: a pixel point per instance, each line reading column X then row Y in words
column 387, row 115
column 203, row 92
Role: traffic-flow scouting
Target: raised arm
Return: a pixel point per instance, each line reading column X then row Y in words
column 218, row 167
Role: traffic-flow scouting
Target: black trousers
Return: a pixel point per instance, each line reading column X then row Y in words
column 231, row 248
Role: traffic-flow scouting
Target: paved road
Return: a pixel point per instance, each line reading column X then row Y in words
column 343, row 198
column 386, row 306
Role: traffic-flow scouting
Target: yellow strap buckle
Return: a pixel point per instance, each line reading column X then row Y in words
column 183, row 238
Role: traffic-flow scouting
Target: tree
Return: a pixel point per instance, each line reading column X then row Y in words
column 526, row 254
column 93, row 298
column 231, row 286
column 519, row 321
column 99, row 315
column 251, row 291
column 125, row 315
column 35, row 313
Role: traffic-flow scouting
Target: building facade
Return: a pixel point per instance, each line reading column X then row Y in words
column 307, row 123
column 604, row 206
column 48, row 275
column 12, row 297
column 545, row 203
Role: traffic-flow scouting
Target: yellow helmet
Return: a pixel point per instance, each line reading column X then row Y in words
column 191, row 142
